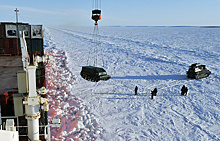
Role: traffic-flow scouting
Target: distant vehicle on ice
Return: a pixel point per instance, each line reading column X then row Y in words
column 94, row 73
column 197, row 71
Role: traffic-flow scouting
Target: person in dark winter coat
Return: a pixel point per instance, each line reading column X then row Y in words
column 153, row 93
column 184, row 90
column 136, row 89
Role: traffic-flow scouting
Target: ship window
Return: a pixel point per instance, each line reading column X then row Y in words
column 11, row 32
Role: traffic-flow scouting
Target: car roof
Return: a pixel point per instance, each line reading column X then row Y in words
column 96, row 68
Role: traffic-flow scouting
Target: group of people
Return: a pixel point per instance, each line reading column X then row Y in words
column 184, row 91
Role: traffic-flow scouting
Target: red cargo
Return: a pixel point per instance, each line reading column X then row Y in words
column 11, row 46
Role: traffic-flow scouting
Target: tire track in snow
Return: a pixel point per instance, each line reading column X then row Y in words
column 114, row 47
column 212, row 136
column 146, row 44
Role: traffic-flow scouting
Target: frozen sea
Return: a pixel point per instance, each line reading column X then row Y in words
column 147, row 57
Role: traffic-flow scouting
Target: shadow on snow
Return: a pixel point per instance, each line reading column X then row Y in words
column 153, row 77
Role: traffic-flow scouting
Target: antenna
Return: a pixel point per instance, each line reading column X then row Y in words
column 16, row 10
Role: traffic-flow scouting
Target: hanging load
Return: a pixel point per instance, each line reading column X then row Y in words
column 96, row 15
column 94, row 74
column 197, row 71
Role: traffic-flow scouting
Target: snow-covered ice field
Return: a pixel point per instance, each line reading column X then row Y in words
column 146, row 57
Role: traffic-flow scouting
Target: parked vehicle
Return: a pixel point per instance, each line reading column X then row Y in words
column 197, row 71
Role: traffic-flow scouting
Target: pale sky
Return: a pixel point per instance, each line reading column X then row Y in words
column 114, row 12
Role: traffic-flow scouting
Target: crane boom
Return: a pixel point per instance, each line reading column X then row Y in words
column 25, row 56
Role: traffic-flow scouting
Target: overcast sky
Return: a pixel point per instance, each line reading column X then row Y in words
column 114, row 12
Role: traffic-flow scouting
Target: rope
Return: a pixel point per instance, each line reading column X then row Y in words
column 96, row 39
column 93, row 40
column 88, row 58
column 95, row 44
column 11, row 18
column 100, row 4
column 100, row 46
column 90, row 50
column 23, row 18
column 96, row 4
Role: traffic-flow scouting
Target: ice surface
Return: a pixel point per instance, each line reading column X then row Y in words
column 148, row 57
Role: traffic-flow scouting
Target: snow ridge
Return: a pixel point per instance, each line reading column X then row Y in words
column 77, row 123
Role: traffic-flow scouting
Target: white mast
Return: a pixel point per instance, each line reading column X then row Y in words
column 16, row 10
column 33, row 100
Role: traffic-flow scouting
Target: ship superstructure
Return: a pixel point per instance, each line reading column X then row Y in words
column 23, row 103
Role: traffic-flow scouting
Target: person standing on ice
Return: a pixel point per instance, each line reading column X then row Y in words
column 184, row 90
column 135, row 90
column 153, row 93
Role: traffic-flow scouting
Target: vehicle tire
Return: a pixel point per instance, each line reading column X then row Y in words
column 83, row 75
